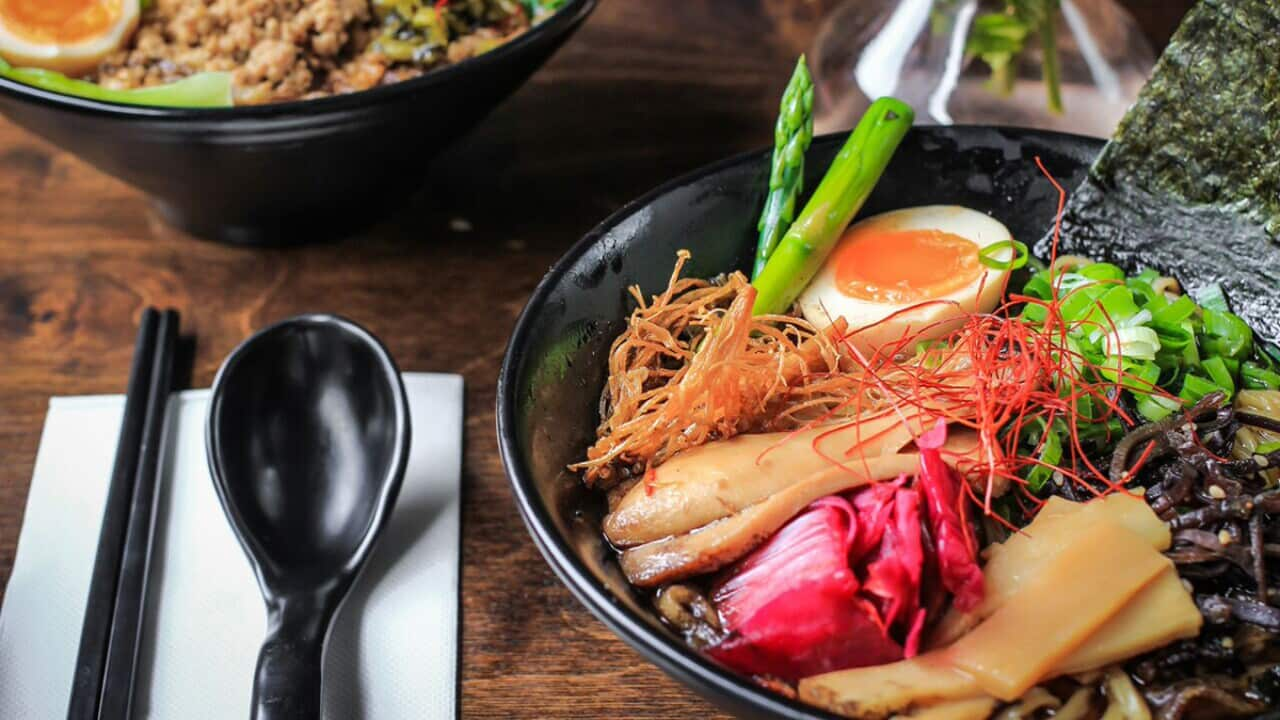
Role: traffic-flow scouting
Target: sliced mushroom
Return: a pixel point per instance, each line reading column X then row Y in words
column 719, row 543
column 712, row 481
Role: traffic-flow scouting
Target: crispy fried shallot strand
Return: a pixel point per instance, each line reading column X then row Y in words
column 693, row 366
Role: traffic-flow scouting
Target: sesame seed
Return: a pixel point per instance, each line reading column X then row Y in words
column 1228, row 643
column 460, row 225
column 1216, row 492
column 1261, row 461
column 1224, row 537
column 1186, row 584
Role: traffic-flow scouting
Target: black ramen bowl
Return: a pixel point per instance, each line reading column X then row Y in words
column 554, row 371
column 296, row 171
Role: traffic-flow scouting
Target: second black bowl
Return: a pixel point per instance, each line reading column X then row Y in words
column 289, row 172
column 550, row 384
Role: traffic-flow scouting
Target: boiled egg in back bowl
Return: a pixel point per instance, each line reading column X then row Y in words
column 68, row 36
column 911, row 274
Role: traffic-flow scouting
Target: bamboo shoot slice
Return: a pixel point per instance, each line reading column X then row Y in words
column 978, row 708
column 1160, row 613
column 883, row 690
column 1081, row 588
column 1011, row 564
column 1126, row 510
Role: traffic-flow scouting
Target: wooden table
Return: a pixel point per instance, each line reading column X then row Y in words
column 646, row 91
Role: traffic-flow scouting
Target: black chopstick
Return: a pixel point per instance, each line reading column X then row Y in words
column 86, row 686
column 126, row 625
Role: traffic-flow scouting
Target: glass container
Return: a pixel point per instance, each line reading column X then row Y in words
column 1070, row 65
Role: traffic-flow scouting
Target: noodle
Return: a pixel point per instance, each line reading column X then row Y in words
column 1123, row 700
column 1265, row 403
column 1166, row 285
column 1069, row 263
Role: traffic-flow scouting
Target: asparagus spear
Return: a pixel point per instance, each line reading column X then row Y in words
column 791, row 138
column 837, row 199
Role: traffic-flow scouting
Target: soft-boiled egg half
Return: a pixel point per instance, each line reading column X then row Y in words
column 911, row 273
column 69, row 36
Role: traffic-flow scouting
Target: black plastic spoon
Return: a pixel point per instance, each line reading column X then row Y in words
column 308, row 435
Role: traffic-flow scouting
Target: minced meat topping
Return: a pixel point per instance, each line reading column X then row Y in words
column 281, row 50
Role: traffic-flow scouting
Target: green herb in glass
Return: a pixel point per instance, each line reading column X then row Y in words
column 999, row 38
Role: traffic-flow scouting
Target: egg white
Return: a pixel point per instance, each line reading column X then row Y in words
column 75, row 58
column 822, row 302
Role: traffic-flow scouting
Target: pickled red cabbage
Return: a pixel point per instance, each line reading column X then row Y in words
column 853, row 580
column 792, row 606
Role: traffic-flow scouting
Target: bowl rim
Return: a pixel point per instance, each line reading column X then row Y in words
column 694, row 669
column 562, row 22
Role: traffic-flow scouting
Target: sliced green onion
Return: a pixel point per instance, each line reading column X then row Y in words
column 1100, row 434
column 1133, row 343
column 1050, row 454
column 1075, row 305
column 1069, row 282
column 1271, row 352
column 1226, row 334
column 1173, row 338
column 1263, row 357
column 1255, row 377
column 987, row 255
column 1195, row 387
column 1148, row 343
column 1038, row 287
column 1156, row 407
column 1211, row 297
column 1219, row 374
column 1191, row 355
column 1137, row 376
column 1034, row 313
column 1174, row 312
column 1112, row 308
column 1146, row 296
column 1146, row 277
column 1102, row 272
column 1084, row 407
column 925, row 352
column 1233, row 365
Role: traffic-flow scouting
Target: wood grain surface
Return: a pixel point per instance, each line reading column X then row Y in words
column 646, row 91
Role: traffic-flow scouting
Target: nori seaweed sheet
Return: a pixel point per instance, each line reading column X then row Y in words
column 1190, row 182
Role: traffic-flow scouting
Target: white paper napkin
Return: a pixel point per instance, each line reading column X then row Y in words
column 392, row 654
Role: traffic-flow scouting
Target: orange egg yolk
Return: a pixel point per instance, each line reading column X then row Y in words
column 60, row 21
column 883, row 265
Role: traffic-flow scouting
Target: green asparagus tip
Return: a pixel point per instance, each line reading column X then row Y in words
column 792, row 135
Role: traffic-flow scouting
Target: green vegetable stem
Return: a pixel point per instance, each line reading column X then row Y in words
column 1049, row 65
column 791, row 137
column 839, row 196
column 207, row 89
